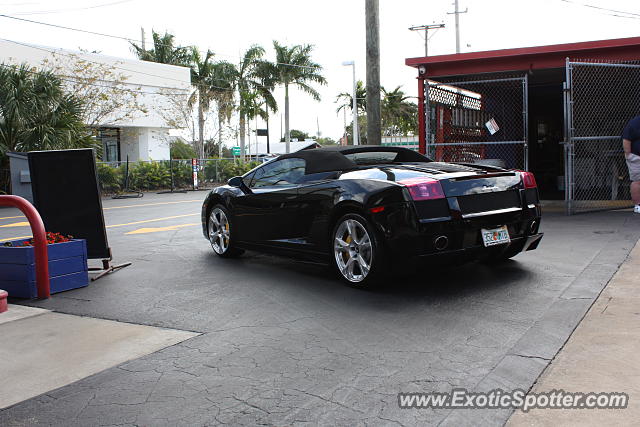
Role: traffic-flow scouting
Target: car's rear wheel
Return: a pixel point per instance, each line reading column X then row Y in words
column 220, row 234
column 357, row 252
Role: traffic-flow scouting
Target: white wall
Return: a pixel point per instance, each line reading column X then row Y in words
column 153, row 83
column 144, row 144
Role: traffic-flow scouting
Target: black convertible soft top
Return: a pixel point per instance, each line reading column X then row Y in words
column 328, row 159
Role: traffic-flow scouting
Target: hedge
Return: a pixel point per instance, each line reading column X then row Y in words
column 156, row 175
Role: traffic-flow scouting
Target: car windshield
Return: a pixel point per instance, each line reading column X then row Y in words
column 372, row 157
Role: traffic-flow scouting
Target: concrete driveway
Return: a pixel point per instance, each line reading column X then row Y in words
column 284, row 343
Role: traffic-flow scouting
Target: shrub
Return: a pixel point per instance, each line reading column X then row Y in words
column 149, row 176
column 110, row 178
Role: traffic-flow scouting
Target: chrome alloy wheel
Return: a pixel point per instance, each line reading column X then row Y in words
column 219, row 231
column 352, row 250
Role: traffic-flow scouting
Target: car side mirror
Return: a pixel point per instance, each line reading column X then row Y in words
column 238, row 182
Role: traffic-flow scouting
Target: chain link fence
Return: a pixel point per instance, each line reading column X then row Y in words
column 600, row 99
column 119, row 177
column 478, row 121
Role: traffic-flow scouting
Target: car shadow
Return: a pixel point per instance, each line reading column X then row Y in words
column 428, row 282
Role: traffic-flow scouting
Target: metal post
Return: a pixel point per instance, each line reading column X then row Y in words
column 568, row 172
column 422, row 118
column 356, row 126
column 354, row 102
column 39, row 241
column 525, row 119
column 457, row 13
column 268, row 148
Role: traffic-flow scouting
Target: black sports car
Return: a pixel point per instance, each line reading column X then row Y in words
column 364, row 209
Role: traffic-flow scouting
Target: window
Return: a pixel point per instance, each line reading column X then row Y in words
column 372, row 157
column 281, row 172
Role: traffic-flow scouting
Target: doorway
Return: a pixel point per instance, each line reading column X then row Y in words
column 546, row 136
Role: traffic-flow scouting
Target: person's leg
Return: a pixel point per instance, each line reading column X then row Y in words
column 635, row 192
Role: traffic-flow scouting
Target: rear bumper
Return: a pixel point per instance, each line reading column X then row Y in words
column 517, row 245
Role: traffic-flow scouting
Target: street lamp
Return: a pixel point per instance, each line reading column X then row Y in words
column 354, row 107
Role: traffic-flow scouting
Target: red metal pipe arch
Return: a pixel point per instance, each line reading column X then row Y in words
column 39, row 241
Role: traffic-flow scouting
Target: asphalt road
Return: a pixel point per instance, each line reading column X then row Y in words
column 284, row 343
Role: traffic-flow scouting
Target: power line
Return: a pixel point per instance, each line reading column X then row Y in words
column 426, row 29
column 131, row 40
column 73, row 79
column 72, row 9
column 75, row 56
column 71, row 55
column 615, row 13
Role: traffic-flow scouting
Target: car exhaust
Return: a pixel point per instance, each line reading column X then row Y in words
column 441, row 242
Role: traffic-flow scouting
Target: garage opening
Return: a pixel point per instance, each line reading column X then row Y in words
column 546, row 132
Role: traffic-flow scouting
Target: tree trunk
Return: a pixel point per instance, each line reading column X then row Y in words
column 200, row 128
column 242, row 123
column 287, row 137
column 373, row 72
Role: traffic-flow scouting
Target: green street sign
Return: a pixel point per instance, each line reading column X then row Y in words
column 235, row 151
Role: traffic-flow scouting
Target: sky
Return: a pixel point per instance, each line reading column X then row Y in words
column 335, row 28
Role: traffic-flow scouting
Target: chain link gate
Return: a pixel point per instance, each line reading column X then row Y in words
column 600, row 98
column 478, row 121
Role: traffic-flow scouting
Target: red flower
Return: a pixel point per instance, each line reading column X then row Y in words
column 51, row 238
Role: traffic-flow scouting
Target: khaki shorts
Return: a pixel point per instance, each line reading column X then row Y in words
column 633, row 162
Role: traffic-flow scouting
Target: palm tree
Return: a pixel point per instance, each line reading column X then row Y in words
column 164, row 51
column 201, row 73
column 266, row 75
column 346, row 101
column 247, row 81
column 253, row 105
column 37, row 114
column 399, row 115
column 223, row 74
column 294, row 67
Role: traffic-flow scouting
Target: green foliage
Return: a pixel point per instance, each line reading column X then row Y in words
column 150, row 176
column 164, row 51
column 346, row 99
column 37, row 113
column 182, row 150
column 325, row 141
column 295, row 133
column 110, row 177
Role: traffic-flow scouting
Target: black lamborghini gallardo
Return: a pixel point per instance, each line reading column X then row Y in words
column 365, row 209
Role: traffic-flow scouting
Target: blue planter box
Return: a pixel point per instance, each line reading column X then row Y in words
column 67, row 268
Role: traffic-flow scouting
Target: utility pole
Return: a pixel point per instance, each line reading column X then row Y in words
column 374, row 133
column 142, row 35
column 426, row 29
column 457, row 13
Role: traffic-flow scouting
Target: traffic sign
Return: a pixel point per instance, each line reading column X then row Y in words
column 235, row 151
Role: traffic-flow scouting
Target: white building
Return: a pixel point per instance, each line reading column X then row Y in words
column 139, row 129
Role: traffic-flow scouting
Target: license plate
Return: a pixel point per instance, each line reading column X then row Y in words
column 495, row 236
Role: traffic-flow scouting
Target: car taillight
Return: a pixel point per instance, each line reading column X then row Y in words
column 423, row 188
column 528, row 180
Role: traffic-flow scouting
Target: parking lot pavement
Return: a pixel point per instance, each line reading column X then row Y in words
column 284, row 343
column 602, row 356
